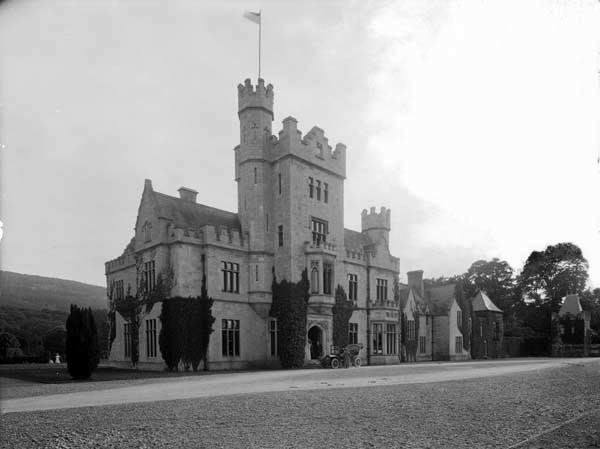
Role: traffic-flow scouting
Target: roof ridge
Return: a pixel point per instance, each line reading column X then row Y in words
column 195, row 204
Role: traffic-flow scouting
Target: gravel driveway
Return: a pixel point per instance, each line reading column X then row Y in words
column 479, row 412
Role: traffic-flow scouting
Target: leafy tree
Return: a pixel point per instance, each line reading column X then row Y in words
column 206, row 321
column 496, row 278
column 289, row 306
column 342, row 311
column 82, row 343
column 550, row 275
column 590, row 301
column 55, row 341
column 9, row 345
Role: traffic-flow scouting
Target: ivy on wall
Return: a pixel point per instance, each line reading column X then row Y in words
column 410, row 346
column 289, row 306
column 186, row 326
column 342, row 311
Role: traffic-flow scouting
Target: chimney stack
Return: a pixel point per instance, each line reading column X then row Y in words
column 187, row 194
column 415, row 281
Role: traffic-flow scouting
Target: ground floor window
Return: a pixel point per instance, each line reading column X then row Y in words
column 458, row 345
column 410, row 330
column 127, row 339
column 230, row 338
column 377, row 338
column 273, row 337
column 391, row 339
column 353, row 333
column 422, row 344
column 151, row 338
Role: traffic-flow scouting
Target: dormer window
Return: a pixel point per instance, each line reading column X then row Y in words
column 147, row 229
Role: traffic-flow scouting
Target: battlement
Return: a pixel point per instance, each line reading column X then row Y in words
column 124, row 261
column 313, row 147
column 209, row 234
column 374, row 220
column 259, row 97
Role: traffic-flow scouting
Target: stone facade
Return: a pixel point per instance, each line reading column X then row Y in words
column 290, row 218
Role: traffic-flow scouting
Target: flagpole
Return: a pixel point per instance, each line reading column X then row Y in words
column 259, row 39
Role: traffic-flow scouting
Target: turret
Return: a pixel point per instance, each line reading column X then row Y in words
column 253, row 169
column 377, row 225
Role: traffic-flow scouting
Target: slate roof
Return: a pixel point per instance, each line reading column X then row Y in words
column 193, row 215
column 355, row 239
column 440, row 299
column 482, row 303
column 571, row 305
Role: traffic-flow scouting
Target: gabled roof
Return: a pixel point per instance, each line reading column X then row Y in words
column 420, row 303
column 355, row 239
column 193, row 215
column 440, row 299
column 571, row 305
column 481, row 303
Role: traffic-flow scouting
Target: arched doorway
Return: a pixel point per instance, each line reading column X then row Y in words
column 315, row 339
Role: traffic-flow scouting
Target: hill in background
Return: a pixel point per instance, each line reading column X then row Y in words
column 27, row 291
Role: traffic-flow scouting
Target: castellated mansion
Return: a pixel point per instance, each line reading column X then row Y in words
column 290, row 218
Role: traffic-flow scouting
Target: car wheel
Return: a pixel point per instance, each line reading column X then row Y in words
column 357, row 362
column 335, row 363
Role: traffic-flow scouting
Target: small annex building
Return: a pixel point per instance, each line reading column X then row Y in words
column 487, row 333
column 432, row 322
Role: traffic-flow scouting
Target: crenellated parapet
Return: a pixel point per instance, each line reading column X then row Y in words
column 322, row 247
column 313, row 147
column 257, row 97
column 209, row 234
column 376, row 220
column 124, row 261
column 356, row 254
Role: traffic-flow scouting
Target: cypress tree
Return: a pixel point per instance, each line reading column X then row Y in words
column 82, row 349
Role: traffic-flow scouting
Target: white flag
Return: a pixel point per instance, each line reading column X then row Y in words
column 252, row 16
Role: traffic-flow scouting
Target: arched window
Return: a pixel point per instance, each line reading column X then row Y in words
column 314, row 279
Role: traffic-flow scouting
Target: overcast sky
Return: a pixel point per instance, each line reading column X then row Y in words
column 476, row 122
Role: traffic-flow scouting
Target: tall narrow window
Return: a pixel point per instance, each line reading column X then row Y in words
column 410, row 330
column 311, row 187
column 267, row 222
column 353, row 333
column 422, row 344
column 458, row 346
column 459, row 318
column 230, row 338
column 231, row 277
column 314, row 279
column 151, row 338
column 255, row 175
column 147, row 228
column 149, row 276
column 256, row 274
column 327, row 278
column 280, row 234
column 319, row 231
column 391, row 339
column 381, row 289
column 319, row 190
column 377, row 338
column 325, row 192
column 279, row 179
column 353, row 287
column 127, row 339
column 273, row 337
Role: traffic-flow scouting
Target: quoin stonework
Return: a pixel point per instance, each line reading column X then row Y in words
column 290, row 218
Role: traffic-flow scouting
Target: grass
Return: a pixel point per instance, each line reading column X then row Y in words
column 58, row 374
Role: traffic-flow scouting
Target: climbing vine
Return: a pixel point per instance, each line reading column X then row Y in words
column 186, row 326
column 342, row 311
column 289, row 306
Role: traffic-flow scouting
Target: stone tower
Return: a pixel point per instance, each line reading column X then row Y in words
column 253, row 168
column 253, row 174
column 377, row 226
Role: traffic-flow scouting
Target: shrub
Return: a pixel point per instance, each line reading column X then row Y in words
column 289, row 306
column 82, row 343
column 342, row 311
